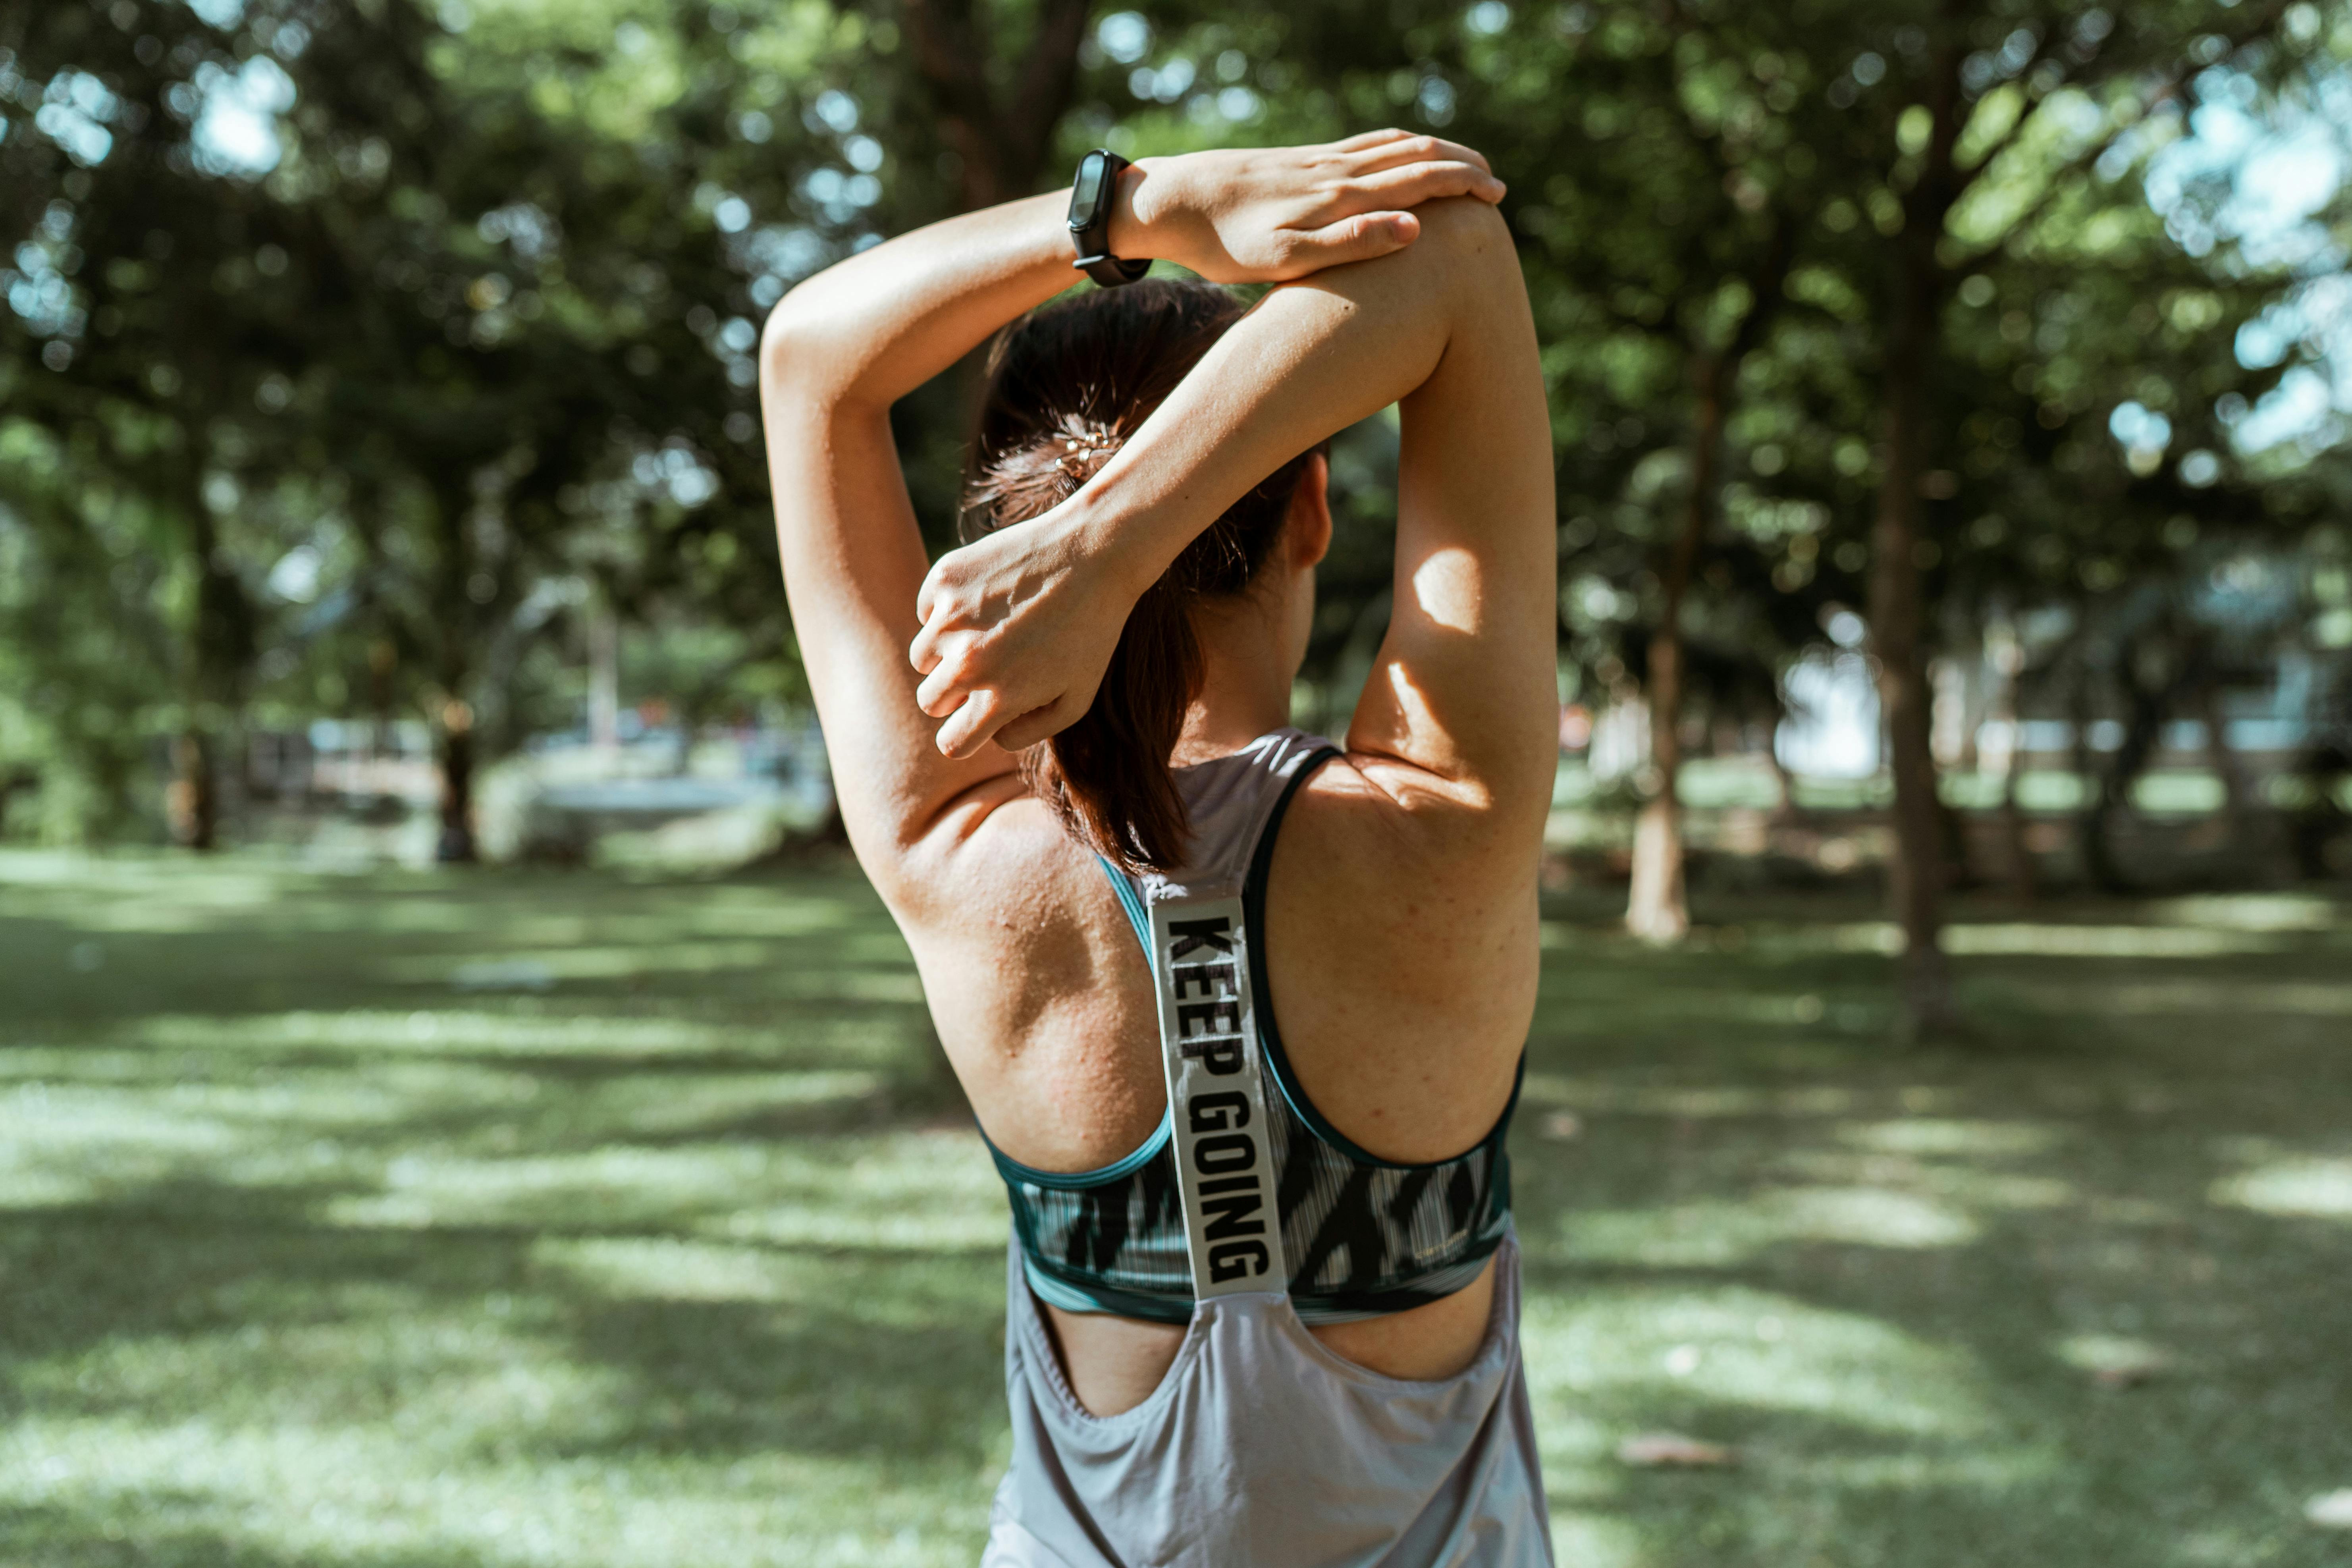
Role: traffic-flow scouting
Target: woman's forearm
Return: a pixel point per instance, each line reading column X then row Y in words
column 1314, row 357
column 1401, row 286
column 873, row 328
column 870, row 329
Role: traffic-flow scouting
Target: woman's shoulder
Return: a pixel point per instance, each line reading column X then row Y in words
column 1375, row 810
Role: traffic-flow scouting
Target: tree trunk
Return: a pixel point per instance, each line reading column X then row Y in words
column 1658, row 910
column 453, row 750
column 2016, row 869
column 2090, row 830
column 2237, row 796
column 2018, row 854
column 1000, row 141
column 1915, row 878
column 1786, row 812
column 192, row 803
column 219, row 649
column 604, row 677
column 2321, row 818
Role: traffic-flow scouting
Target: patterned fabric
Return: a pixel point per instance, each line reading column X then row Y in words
column 1364, row 1235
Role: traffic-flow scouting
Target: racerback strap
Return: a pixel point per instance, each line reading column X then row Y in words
column 1216, row 1095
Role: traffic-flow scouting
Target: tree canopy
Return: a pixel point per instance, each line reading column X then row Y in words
column 359, row 352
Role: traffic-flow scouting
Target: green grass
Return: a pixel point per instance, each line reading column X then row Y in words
column 411, row 1221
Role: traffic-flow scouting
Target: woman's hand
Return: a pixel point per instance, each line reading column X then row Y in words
column 1269, row 215
column 1018, row 627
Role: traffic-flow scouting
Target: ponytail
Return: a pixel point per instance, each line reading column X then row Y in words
column 1068, row 387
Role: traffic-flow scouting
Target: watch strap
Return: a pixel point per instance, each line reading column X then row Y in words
column 1111, row 271
column 1093, row 240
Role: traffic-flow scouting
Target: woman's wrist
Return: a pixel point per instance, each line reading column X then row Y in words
column 1129, row 546
column 1139, row 209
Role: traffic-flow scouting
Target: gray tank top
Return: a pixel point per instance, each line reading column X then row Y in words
column 1260, row 1448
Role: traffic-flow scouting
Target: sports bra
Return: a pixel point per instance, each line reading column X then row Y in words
column 1360, row 1236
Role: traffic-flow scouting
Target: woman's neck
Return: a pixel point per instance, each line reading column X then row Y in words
column 1245, row 682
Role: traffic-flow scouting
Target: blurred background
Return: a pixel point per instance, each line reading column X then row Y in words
column 459, row 1103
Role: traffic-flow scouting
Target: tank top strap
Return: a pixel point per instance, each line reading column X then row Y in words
column 1227, row 803
column 1195, row 930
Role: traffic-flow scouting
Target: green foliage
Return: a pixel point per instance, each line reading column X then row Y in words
column 449, row 335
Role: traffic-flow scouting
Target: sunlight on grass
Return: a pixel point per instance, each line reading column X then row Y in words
column 311, row 1495
column 2250, row 911
column 604, row 963
column 915, row 1192
column 1948, row 1136
column 1722, row 1100
column 411, row 1221
column 1723, row 1235
column 2021, row 940
column 443, row 1031
column 1616, row 1356
column 2207, row 995
column 2312, row 1189
column 669, row 1269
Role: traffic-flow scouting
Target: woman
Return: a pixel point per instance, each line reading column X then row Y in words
column 1264, row 1294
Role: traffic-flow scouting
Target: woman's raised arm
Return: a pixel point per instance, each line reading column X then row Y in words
column 1462, row 696
column 844, row 346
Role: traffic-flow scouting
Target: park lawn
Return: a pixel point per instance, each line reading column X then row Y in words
column 414, row 1220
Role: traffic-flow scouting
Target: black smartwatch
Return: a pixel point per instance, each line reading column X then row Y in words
column 1091, row 195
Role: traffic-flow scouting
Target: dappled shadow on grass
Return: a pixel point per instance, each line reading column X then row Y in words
column 288, row 1193
column 177, row 1529
column 656, row 1255
column 195, row 1300
column 2142, row 1364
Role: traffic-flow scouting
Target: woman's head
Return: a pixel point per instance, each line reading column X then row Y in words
column 1066, row 387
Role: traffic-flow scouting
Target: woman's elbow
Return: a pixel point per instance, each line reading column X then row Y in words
column 806, row 352
column 786, row 344
column 1465, row 229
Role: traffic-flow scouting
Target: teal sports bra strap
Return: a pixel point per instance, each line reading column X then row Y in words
column 1217, row 1096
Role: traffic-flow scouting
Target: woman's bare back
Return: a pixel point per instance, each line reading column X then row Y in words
column 1401, row 952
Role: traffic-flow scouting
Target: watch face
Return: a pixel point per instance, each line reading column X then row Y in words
column 1085, row 195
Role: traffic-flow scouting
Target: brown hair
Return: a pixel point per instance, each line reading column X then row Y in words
column 1066, row 387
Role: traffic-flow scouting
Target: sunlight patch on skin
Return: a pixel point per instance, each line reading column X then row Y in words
column 1447, row 590
column 2302, row 1189
column 1413, row 708
column 1724, row 1234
